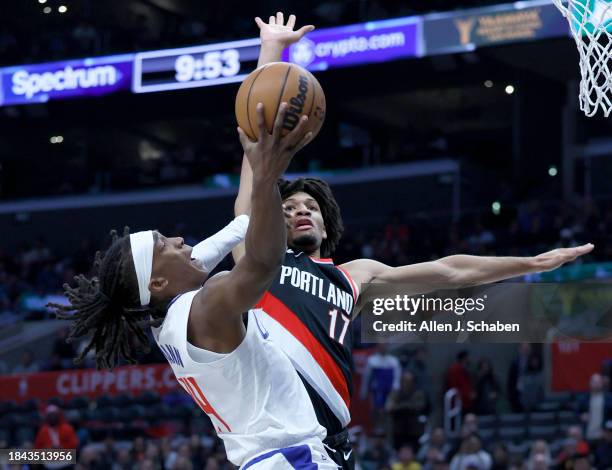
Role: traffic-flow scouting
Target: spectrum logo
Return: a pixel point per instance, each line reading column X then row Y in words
column 29, row 84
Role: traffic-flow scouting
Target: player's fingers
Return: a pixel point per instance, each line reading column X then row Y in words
column 280, row 19
column 261, row 122
column 307, row 138
column 244, row 140
column 583, row 249
column 291, row 21
column 259, row 22
column 294, row 137
column 278, row 122
column 272, row 20
column 305, row 30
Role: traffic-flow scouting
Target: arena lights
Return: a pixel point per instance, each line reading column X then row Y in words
column 42, row 1
column 62, row 9
column 552, row 171
column 509, row 89
column 488, row 83
column 47, row 10
column 56, row 139
column 496, row 207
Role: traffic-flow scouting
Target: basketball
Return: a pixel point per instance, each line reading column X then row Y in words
column 271, row 85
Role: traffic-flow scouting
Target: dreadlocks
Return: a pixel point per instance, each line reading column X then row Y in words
column 321, row 192
column 107, row 307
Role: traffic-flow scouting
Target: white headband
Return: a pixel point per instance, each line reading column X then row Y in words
column 142, row 254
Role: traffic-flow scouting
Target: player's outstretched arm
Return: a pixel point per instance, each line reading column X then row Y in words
column 215, row 321
column 275, row 36
column 457, row 271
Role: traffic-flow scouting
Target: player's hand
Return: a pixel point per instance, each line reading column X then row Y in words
column 555, row 258
column 271, row 154
column 277, row 32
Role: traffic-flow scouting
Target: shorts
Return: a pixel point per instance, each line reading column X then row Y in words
column 341, row 450
column 301, row 457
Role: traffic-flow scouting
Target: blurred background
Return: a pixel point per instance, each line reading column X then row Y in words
column 452, row 127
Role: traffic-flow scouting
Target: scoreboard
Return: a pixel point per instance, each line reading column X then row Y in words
column 230, row 62
column 193, row 67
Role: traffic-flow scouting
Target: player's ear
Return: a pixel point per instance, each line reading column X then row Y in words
column 157, row 284
column 324, row 234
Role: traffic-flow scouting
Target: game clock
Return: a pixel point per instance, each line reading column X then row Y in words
column 192, row 67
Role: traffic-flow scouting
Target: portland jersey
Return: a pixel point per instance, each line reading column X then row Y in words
column 308, row 311
column 253, row 395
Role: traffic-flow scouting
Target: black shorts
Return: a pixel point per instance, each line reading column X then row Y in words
column 340, row 450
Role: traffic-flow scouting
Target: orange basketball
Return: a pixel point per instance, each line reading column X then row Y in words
column 272, row 84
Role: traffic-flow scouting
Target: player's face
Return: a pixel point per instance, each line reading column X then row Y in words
column 174, row 272
column 305, row 226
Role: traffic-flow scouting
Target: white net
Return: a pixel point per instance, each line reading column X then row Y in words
column 591, row 25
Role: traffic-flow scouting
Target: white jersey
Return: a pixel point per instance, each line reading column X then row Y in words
column 253, row 395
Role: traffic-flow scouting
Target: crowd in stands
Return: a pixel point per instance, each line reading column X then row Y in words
column 170, row 432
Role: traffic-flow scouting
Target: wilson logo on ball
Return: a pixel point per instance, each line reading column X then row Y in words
column 296, row 108
column 276, row 83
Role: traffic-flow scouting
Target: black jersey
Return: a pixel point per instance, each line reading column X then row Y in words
column 308, row 313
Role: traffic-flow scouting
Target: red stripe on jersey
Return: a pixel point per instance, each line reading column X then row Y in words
column 351, row 282
column 290, row 321
column 322, row 260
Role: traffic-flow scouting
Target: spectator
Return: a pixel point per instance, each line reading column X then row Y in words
column 538, row 462
column 152, row 452
column 418, row 366
column 469, row 426
column 89, row 459
column 55, row 433
column 573, row 446
column 27, row 363
column 603, row 452
column 596, row 408
column 197, row 451
column 137, row 452
column 405, row 460
column 539, row 456
column 487, row 389
column 471, row 455
column 147, row 464
column 405, row 407
column 109, row 453
column 458, row 377
column 381, row 377
column 124, row 460
column 532, row 384
column 64, row 351
column 437, row 440
column 575, row 432
column 582, row 462
column 434, row 459
column 501, row 457
column 517, row 370
column 378, row 454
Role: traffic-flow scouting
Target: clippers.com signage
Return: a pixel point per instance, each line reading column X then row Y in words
column 130, row 380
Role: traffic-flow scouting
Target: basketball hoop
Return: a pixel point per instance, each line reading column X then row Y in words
column 591, row 25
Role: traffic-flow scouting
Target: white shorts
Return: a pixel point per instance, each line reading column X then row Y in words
column 300, row 457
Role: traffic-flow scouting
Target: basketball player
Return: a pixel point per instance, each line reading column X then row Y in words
column 311, row 302
column 237, row 375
